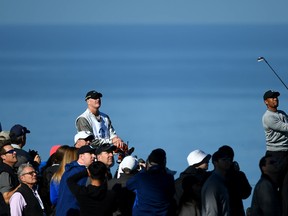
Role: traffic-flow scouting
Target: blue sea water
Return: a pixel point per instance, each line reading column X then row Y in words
column 176, row 87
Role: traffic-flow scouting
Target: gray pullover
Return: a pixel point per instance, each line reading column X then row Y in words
column 276, row 130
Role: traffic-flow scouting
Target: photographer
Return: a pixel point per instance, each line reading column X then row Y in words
column 237, row 184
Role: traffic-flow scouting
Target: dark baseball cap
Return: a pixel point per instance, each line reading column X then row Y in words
column 271, row 94
column 105, row 148
column 18, row 130
column 93, row 94
column 86, row 149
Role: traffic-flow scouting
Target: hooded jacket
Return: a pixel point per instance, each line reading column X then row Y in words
column 93, row 200
column 200, row 174
column 67, row 203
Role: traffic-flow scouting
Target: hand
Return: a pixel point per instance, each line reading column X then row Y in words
column 236, row 166
column 37, row 159
column 118, row 142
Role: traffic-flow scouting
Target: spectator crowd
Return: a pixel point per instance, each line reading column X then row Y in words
column 77, row 179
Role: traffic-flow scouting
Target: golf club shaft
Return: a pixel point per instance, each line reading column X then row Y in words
column 262, row 58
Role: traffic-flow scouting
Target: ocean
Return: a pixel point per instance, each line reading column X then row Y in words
column 177, row 87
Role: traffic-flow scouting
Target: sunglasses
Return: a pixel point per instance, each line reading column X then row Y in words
column 30, row 173
column 10, row 151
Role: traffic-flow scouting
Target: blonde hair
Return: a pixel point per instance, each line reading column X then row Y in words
column 70, row 155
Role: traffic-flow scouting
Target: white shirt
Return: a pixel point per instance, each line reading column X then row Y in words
column 18, row 203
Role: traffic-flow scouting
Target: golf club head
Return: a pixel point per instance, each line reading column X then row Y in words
column 260, row 59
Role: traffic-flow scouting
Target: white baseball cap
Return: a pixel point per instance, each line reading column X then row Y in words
column 129, row 162
column 4, row 135
column 82, row 135
column 197, row 156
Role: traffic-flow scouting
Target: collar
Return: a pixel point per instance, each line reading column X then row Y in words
column 15, row 146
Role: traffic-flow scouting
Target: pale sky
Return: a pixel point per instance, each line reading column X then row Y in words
column 143, row 12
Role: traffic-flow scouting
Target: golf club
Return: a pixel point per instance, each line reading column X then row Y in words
column 263, row 59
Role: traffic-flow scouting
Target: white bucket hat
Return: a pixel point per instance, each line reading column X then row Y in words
column 197, row 156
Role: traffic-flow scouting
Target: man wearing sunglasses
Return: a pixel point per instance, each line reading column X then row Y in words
column 8, row 179
column 26, row 200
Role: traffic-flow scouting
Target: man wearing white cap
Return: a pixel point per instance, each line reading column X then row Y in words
column 198, row 162
column 127, row 169
column 83, row 138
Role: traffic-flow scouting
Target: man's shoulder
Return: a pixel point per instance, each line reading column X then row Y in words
column 16, row 196
column 22, row 152
column 5, row 168
column 272, row 113
column 4, row 179
column 282, row 112
column 82, row 115
column 4, row 174
column 264, row 181
column 269, row 115
column 72, row 168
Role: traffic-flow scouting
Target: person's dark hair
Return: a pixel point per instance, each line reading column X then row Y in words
column 56, row 157
column 262, row 162
column 60, row 153
column 5, row 142
column 158, row 156
column 98, row 170
column 2, row 150
column 15, row 139
column 216, row 156
column 227, row 150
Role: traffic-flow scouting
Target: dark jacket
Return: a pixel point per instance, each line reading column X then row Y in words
column 201, row 175
column 92, row 200
column 154, row 192
column 33, row 207
column 6, row 168
column 214, row 196
column 238, row 189
column 22, row 157
column 67, row 203
column 266, row 198
column 44, row 186
column 125, row 197
column 5, row 210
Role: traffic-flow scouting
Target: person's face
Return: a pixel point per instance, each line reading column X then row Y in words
column 9, row 156
column 272, row 103
column 29, row 176
column 224, row 163
column 204, row 166
column 271, row 165
column 95, row 103
column 107, row 158
column 82, row 142
column 87, row 158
